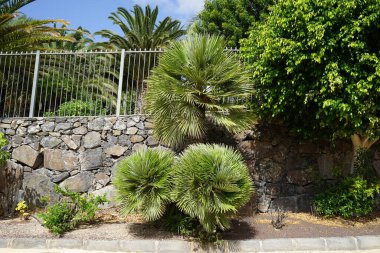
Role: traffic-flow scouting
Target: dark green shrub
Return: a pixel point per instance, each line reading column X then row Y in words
column 352, row 197
column 4, row 154
column 71, row 211
column 78, row 108
column 363, row 165
column 142, row 182
column 211, row 182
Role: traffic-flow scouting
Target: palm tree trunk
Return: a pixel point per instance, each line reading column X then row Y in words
column 360, row 142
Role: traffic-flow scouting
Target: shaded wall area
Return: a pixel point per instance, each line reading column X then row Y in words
column 287, row 171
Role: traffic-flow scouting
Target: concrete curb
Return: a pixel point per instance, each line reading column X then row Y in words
column 158, row 246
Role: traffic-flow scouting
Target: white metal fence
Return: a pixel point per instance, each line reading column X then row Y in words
column 94, row 83
column 74, row 83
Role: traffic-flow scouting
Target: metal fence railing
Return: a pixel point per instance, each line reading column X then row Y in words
column 94, row 83
column 42, row 84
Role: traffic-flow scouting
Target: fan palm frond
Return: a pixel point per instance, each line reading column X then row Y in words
column 211, row 182
column 196, row 80
column 142, row 182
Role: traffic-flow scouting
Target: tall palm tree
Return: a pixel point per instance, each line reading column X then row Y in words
column 197, row 82
column 24, row 34
column 141, row 29
column 19, row 33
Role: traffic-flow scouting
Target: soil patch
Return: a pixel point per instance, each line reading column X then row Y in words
column 112, row 226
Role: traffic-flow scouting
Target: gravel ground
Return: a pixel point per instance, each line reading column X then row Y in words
column 113, row 227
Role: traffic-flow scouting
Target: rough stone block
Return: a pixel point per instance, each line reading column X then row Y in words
column 80, row 130
column 132, row 130
column 60, row 160
column 110, row 193
column 50, row 142
column 115, row 150
column 92, row 140
column 27, row 155
column 62, row 127
column 96, row 124
column 137, row 138
column 91, row 159
column 81, row 182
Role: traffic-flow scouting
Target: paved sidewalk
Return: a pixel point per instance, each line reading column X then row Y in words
column 360, row 244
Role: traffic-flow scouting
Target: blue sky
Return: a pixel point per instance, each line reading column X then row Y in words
column 93, row 14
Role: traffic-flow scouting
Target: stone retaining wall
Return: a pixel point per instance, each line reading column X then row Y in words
column 287, row 171
column 80, row 153
column 77, row 153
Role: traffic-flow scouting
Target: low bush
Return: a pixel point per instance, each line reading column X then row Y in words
column 71, row 211
column 195, row 195
column 352, row 197
column 78, row 108
column 211, row 182
column 143, row 184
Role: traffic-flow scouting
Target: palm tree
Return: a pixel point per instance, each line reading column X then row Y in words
column 24, row 34
column 141, row 30
column 196, row 82
column 19, row 33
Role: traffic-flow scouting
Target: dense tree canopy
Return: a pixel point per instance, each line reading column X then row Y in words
column 316, row 66
column 230, row 18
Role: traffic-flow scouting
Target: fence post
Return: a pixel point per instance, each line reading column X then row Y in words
column 120, row 88
column 34, row 87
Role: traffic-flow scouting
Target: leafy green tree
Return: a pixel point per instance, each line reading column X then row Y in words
column 230, row 18
column 211, row 182
column 141, row 29
column 197, row 83
column 315, row 64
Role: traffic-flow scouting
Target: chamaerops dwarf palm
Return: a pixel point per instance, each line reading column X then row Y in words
column 142, row 182
column 197, row 81
column 211, row 182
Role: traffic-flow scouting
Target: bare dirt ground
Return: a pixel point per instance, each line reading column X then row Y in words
column 113, row 227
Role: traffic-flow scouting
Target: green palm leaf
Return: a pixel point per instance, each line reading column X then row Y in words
column 195, row 81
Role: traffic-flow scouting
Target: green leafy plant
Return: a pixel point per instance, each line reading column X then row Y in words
column 4, row 154
column 196, row 195
column 71, row 211
column 363, row 164
column 230, row 18
column 352, row 197
column 78, row 108
column 197, row 83
column 315, row 65
column 211, row 183
column 142, row 182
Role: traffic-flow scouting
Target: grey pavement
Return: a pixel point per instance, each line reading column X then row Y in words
column 359, row 244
